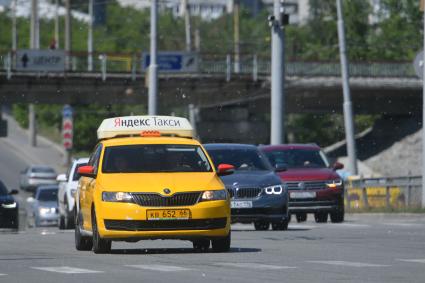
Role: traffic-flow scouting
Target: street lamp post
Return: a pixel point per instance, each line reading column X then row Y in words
column 277, row 76
column 348, row 109
column 153, row 68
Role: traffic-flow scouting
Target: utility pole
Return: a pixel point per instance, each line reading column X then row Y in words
column 57, row 24
column 35, row 44
column 348, row 108
column 236, row 36
column 423, row 109
column 197, row 40
column 68, row 37
column 14, row 32
column 277, row 135
column 188, row 28
column 153, row 67
column 90, row 38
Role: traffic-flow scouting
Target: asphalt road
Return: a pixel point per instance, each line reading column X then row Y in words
column 366, row 248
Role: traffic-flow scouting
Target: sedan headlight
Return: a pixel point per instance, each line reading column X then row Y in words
column 214, row 195
column 117, row 197
column 73, row 192
column 46, row 210
column 333, row 184
column 9, row 205
column 274, row 190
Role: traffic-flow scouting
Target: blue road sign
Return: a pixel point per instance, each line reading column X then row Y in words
column 67, row 111
column 184, row 62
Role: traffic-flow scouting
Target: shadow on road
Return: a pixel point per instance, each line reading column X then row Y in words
column 178, row 251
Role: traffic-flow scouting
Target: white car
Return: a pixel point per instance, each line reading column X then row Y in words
column 67, row 188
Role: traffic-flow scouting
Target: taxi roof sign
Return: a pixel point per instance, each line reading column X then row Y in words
column 135, row 125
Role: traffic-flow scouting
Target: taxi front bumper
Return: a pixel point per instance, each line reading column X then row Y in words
column 127, row 221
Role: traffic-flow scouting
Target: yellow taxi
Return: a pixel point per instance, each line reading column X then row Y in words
column 147, row 178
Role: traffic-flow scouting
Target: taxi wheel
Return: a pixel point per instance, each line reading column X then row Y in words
column 301, row 217
column 100, row 246
column 82, row 243
column 221, row 245
column 321, row 217
column 261, row 225
column 201, row 245
column 280, row 226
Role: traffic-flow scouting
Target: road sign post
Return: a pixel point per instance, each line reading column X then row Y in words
column 423, row 107
column 67, row 132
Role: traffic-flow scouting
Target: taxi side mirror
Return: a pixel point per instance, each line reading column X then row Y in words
column 225, row 169
column 87, row 171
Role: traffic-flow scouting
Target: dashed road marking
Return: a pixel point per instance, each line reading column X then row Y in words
column 257, row 266
column 158, row 267
column 400, row 224
column 348, row 263
column 66, row 269
column 351, row 225
column 418, row 260
column 2, row 274
column 295, row 226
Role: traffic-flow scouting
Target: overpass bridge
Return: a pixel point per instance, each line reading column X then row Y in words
column 311, row 87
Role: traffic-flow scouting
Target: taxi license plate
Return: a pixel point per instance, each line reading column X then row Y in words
column 302, row 195
column 168, row 214
column 241, row 204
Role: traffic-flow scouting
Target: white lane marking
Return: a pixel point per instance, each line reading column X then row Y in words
column 257, row 266
column 2, row 274
column 348, row 263
column 158, row 267
column 403, row 224
column 44, row 233
column 295, row 226
column 350, row 225
column 421, row 260
column 66, row 270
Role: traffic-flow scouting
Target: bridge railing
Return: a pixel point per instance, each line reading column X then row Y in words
column 385, row 192
column 224, row 64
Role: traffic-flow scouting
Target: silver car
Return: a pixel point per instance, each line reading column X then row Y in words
column 43, row 208
column 37, row 175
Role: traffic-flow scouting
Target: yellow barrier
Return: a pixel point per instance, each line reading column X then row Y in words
column 376, row 197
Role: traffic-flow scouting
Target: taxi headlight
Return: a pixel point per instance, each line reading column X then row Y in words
column 117, row 197
column 274, row 190
column 333, row 184
column 214, row 195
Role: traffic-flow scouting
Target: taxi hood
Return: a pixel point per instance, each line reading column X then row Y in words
column 157, row 182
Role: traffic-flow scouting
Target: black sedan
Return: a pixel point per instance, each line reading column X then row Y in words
column 257, row 193
column 9, row 216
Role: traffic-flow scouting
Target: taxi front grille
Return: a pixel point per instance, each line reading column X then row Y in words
column 244, row 192
column 156, row 200
column 306, row 185
column 165, row 225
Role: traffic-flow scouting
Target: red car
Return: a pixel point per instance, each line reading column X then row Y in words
column 313, row 184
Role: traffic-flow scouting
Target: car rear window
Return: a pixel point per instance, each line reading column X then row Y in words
column 155, row 158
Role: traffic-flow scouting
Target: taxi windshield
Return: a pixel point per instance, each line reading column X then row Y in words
column 155, row 158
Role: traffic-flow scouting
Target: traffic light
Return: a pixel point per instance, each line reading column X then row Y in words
column 3, row 128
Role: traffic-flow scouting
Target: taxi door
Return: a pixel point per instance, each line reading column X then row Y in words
column 88, row 185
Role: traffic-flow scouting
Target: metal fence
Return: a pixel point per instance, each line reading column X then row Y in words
column 223, row 64
column 388, row 192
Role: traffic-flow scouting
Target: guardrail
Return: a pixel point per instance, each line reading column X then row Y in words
column 224, row 64
column 387, row 192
